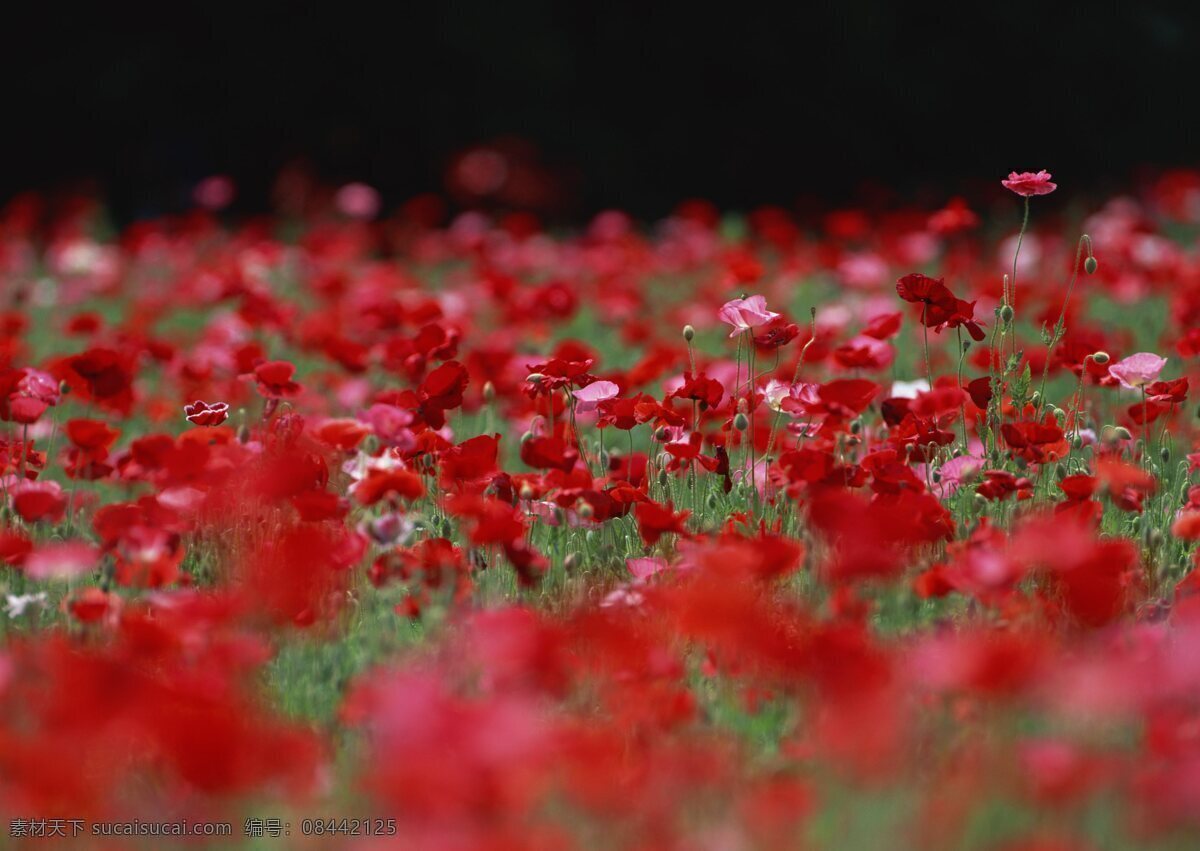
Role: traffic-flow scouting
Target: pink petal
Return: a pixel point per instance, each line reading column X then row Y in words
column 1138, row 370
column 61, row 561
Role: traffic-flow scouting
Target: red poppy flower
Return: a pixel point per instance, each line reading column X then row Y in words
column 275, row 379
column 656, row 520
column 205, row 414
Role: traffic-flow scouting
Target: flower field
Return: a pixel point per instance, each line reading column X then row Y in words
column 872, row 528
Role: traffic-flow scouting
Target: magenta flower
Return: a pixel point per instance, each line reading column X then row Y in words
column 746, row 313
column 1137, row 370
column 1027, row 183
column 593, row 394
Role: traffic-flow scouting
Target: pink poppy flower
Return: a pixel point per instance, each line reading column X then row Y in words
column 1027, row 183
column 1137, row 370
column 746, row 313
column 644, row 568
column 593, row 394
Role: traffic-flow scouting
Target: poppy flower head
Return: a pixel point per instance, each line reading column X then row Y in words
column 206, row 414
column 1138, row 370
column 743, row 314
column 275, row 379
column 1028, row 184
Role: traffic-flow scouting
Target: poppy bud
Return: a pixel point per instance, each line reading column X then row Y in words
column 743, row 406
column 689, row 333
column 1165, row 454
column 711, row 501
column 663, row 478
column 535, row 378
column 1090, row 265
column 1007, row 313
column 855, row 425
column 1122, row 433
column 741, row 422
column 584, row 510
column 662, row 435
column 1060, row 473
column 1100, row 358
column 526, row 491
column 1036, row 398
column 64, row 389
column 243, row 434
column 489, row 391
column 1076, row 441
column 570, row 562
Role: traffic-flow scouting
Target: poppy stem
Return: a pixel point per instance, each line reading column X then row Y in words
column 795, row 376
column 962, row 407
column 1012, row 291
column 1060, row 327
column 925, row 329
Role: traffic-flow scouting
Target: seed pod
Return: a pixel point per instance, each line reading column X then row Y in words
column 1122, row 433
column 1100, row 358
column 1007, row 313
column 689, row 333
column 489, row 392
column 535, row 378
column 1165, row 454
column 855, row 425
column 662, row 435
column 1091, row 265
column 584, row 509
column 741, row 422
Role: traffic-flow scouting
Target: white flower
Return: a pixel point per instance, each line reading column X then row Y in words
column 909, row 389
column 16, row 604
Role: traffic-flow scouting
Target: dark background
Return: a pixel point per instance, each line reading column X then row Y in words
column 636, row 106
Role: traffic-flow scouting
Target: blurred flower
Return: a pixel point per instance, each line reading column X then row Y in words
column 358, row 201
